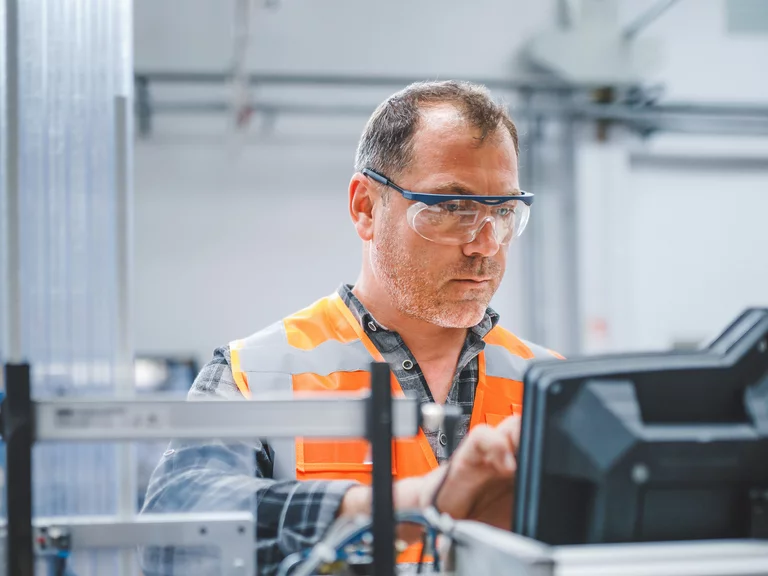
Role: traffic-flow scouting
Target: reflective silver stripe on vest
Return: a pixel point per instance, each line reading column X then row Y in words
column 539, row 352
column 269, row 363
column 502, row 363
column 272, row 353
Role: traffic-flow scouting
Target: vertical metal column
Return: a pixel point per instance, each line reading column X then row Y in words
column 18, row 435
column 532, row 265
column 570, row 208
column 124, row 353
column 11, row 227
column 380, row 437
column 124, row 371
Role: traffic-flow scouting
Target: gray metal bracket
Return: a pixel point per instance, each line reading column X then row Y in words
column 232, row 532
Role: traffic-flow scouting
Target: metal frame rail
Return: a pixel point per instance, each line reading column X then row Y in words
column 232, row 532
column 481, row 549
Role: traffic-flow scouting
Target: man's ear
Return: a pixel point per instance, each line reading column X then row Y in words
column 361, row 200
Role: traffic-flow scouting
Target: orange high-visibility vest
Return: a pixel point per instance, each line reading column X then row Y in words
column 324, row 348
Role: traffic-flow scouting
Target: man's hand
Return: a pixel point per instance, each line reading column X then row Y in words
column 406, row 495
column 479, row 483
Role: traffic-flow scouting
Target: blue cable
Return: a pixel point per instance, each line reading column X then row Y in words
column 57, row 563
column 357, row 536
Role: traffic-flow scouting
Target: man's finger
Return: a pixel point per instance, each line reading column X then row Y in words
column 511, row 426
column 494, row 447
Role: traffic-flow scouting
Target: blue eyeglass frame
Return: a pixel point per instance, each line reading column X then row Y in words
column 432, row 199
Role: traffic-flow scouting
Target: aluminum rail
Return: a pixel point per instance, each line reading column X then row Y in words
column 147, row 418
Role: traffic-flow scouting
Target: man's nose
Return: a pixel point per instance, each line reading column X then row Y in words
column 485, row 242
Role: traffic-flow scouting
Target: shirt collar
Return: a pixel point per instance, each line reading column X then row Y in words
column 369, row 323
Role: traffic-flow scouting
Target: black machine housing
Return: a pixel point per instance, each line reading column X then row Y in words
column 648, row 447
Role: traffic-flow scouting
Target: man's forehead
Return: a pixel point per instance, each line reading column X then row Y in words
column 463, row 149
column 439, row 117
column 443, row 170
column 443, row 126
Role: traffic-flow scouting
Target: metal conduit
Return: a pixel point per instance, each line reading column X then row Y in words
column 569, row 102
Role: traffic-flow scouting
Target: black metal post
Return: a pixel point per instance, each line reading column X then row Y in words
column 18, row 429
column 450, row 426
column 380, row 437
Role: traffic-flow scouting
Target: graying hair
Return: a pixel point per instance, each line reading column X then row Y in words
column 386, row 144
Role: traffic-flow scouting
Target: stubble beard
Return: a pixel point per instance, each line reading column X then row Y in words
column 403, row 277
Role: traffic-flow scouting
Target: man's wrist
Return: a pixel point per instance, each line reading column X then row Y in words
column 356, row 501
column 407, row 494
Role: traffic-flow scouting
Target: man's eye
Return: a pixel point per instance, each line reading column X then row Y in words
column 451, row 206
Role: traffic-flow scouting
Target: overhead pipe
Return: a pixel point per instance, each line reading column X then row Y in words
column 617, row 112
column 743, row 118
column 349, row 80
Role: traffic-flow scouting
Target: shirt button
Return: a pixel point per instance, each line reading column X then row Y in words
column 443, row 439
column 407, row 364
column 372, row 326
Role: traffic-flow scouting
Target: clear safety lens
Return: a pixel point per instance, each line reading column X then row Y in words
column 460, row 221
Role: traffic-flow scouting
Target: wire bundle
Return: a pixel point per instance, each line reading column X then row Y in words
column 333, row 552
column 345, row 533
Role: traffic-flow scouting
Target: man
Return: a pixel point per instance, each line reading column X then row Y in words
column 436, row 201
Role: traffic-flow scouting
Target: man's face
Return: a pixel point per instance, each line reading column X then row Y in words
column 450, row 286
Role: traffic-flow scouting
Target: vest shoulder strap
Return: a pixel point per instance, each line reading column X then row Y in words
column 540, row 352
column 507, row 356
column 316, row 340
column 264, row 345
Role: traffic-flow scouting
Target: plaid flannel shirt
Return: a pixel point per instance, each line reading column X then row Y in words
column 237, row 476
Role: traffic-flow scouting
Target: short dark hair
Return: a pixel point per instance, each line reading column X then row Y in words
column 386, row 144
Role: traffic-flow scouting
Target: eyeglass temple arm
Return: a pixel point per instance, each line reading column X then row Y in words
column 382, row 180
column 378, row 177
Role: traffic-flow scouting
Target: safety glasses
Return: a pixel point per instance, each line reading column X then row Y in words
column 457, row 219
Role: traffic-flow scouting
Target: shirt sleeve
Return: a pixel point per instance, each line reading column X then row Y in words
column 226, row 476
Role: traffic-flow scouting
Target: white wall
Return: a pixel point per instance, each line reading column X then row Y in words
column 231, row 237
column 227, row 244
column 700, row 60
column 706, row 247
column 673, row 241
